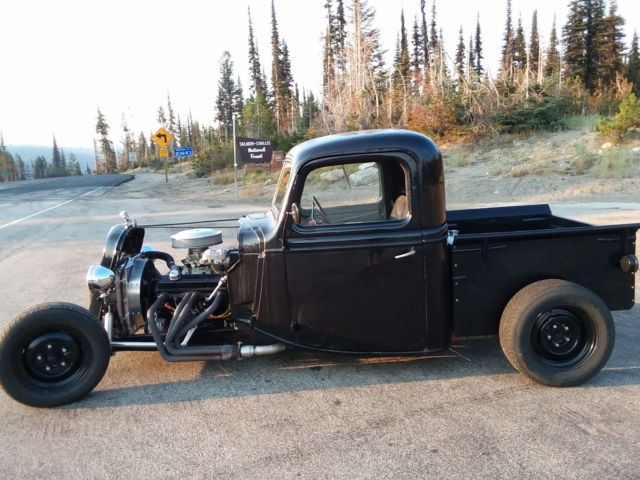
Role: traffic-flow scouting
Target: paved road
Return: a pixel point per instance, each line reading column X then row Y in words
column 463, row 414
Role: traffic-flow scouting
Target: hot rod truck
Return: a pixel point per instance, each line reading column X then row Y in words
column 356, row 255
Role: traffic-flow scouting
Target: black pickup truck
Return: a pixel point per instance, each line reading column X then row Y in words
column 357, row 255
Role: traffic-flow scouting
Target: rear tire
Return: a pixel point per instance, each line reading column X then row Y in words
column 557, row 333
column 52, row 354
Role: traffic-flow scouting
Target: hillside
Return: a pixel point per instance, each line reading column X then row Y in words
column 574, row 165
column 569, row 165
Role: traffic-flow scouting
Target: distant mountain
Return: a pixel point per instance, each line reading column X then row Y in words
column 28, row 153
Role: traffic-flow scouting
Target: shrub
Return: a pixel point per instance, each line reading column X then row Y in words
column 614, row 163
column 545, row 115
column 628, row 116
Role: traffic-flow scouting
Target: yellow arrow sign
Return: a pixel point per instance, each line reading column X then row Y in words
column 162, row 137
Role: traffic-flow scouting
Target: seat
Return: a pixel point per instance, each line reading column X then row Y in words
column 400, row 208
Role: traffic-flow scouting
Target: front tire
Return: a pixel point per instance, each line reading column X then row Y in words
column 53, row 354
column 557, row 333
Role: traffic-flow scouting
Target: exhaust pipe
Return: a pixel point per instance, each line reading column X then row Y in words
column 247, row 351
column 172, row 353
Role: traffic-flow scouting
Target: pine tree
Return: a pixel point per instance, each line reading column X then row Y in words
column 310, row 110
column 7, row 164
column 161, row 117
column 74, row 166
column 21, row 168
column 276, row 72
column 520, row 47
column 612, row 48
column 573, row 34
column 416, row 43
column 339, row 37
column 40, row 167
column 401, row 72
column 127, row 144
column 460, row 58
column 228, row 93
column 142, row 150
column 434, row 47
column 171, row 119
column 402, row 58
column 471, row 62
column 534, row 46
column 478, row 49
column 258, row 82
column 257, row 117
column 63, row 163
column 328, row 60
column 508, row 45
column 595, row 37
column 424, row 34
column 552, row 60
column 633, row 65
column 106, row 148
column 56, row 160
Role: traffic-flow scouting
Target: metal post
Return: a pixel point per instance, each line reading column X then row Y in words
column 235, row 161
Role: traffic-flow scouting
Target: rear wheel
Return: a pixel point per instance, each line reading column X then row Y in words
column 557, row 333
column 52, row 354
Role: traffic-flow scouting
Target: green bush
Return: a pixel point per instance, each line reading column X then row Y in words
column 545, row 115
column 628, row 116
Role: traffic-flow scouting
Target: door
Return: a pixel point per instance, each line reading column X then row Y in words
column 355, row 273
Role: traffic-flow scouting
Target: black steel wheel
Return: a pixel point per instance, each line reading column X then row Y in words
column 557, row 333
column 53, row 354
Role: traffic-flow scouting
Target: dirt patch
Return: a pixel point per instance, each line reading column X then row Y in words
column 571, row 165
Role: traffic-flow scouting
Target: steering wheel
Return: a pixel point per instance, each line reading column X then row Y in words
column 323, row 214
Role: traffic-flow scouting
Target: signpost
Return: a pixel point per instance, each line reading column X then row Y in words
column 162, row 139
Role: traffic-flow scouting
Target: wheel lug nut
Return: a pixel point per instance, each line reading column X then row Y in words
column 557, row 345
column 566, row 328
column 49, row 347
column 555, row 326
column 566, row 339
column 39, row 357
column 47, row 368
column 63, row 364
column 64, row 350
column 548, row 337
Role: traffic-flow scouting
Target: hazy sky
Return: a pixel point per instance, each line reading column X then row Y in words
column 61, row 60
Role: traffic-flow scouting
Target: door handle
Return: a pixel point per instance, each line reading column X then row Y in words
column 407, row 254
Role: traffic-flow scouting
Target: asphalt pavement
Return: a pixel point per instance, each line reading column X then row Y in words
column 462, row 414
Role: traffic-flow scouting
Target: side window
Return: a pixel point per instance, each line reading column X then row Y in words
column 351, row 193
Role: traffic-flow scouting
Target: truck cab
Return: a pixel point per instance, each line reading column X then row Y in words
column 352, row 255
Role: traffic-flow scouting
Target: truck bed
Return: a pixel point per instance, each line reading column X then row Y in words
column 495, row 252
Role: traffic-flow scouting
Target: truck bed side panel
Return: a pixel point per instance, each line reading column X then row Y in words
column 487, row 270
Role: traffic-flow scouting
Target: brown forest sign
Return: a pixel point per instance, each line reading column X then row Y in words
column 254, row 150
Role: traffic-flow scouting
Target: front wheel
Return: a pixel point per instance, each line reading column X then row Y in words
column 53, row 354
column 557, row 333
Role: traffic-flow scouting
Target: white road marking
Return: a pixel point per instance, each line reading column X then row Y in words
column 48, row 209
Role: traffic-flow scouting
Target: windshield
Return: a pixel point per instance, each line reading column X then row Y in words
column 285, row 174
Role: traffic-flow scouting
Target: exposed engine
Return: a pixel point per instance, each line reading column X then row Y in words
column 184, row 312
column 141, row 283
